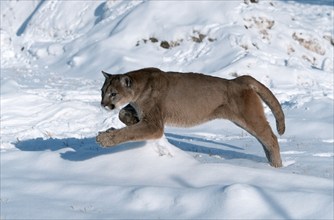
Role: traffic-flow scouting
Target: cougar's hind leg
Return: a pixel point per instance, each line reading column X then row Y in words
column 257, row 125
column 128, row 115
column 268, row 140
column 271, row 148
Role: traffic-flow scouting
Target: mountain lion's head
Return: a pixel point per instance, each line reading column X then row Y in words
column 116, row 90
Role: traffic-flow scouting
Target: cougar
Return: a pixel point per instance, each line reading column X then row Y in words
column 153, row 98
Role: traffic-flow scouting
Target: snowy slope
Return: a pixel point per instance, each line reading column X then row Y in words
column 52, row 53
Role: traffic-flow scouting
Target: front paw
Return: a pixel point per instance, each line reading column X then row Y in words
column 105, row 139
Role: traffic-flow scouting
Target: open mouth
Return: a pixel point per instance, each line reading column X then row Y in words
column 109, row 107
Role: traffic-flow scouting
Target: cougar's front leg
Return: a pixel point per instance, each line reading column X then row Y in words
column 150, row 127
column 128, row 115
column 107, row 138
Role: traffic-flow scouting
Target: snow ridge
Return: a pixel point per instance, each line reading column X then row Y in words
column 52, row 53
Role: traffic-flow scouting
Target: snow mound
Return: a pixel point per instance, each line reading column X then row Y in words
column 51, row 58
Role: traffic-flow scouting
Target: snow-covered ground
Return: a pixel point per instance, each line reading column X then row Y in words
column 52, row 53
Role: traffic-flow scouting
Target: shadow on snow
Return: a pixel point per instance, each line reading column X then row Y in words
column 226, row 151
column 75, row 149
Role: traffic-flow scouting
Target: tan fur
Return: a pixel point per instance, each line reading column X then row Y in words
column 185, row 99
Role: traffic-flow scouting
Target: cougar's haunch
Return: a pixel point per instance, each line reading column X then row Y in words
column 156, row 98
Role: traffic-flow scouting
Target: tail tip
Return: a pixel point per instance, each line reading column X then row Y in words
column 281, row 130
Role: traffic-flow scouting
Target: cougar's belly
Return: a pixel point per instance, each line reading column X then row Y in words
column 193, row 100
column 185, row 116
column 184, row 121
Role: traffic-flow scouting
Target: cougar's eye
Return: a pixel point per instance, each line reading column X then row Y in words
column 113, row 94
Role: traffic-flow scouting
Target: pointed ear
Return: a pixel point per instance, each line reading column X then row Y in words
column 106, row 75
column 126, row 81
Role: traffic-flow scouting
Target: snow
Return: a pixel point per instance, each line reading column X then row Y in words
column 52, row 53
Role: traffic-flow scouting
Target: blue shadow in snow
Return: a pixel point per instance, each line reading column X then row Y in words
column 23, row 27
column 75, row 149
column 227, row 151
column 183, row 137
column 99, row 12
column 313, row 2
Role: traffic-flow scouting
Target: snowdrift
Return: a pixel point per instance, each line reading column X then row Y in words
column 52, row 53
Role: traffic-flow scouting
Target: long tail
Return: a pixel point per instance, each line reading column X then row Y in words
column 268, row 97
